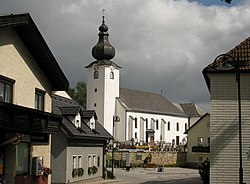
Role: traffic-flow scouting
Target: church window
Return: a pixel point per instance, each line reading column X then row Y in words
column 96, row 74
column 168, row 126
column 95, row 89
column 135, row 122
column 135, row 135
column 146, row 123
column 157, row 125
column 177, row 126
column 94, row 104
column 185, row 126
column 112, row 75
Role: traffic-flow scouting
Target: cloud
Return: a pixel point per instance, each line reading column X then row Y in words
column 161, row 44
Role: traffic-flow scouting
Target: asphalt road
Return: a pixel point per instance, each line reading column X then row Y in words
column 151, row 176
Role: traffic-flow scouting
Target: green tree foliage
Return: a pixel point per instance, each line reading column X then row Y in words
column 79, row 93
column 227, row 1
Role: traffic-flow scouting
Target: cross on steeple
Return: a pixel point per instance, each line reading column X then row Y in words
column 103, row 15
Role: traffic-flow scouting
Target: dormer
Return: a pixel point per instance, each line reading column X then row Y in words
column 77, row 120
column 90, row 118
column 91, row 123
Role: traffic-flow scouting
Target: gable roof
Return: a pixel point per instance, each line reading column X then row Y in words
column 70, row 110
column 89, row 114
column 26, row 29
column 206, row 114
column 65, row 106
column 141, row 101
column 192, row 110
column 240, row 52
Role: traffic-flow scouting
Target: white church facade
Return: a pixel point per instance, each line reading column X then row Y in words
column 143, row 116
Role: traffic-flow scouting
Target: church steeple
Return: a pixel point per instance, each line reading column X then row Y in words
column 103, row 50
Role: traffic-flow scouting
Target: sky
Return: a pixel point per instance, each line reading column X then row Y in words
column 161, row 45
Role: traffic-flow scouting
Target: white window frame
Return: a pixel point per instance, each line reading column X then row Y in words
column 94, row 160
column 80, row 161
column 74, row 162
column 90, row 164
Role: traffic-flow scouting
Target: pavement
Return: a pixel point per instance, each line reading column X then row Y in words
column 171, row 172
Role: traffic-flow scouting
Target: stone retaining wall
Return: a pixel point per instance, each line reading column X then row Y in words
column 166, row 158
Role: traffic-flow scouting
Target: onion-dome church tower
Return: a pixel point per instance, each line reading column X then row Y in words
column 103, row 80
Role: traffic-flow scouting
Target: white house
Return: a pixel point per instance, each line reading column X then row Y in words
column 143, row 116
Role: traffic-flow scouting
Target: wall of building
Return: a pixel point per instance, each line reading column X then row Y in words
column 111, row 91
column 59, row 155
column 84, row 152
column 98, row 96
column 224, row 128
column 104, row 97
column 18, row 64
column 200, row 129
column 120, row 127
column 162, row 119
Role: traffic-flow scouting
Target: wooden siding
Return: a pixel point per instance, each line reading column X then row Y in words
column 224, row 126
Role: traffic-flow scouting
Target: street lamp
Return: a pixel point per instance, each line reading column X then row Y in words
column 226, row 66
column 115, row 119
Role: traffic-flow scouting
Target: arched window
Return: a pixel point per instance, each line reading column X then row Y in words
column 96, row 74
column 147, row 123
column 157, row 124
column 168, row 126
column 112, row 75
column 177, row 126
column 135, row 122
column 185, row 126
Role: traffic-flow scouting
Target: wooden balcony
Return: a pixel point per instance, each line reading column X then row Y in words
column 16, row 118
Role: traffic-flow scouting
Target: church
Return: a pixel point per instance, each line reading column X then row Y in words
column 127, row 114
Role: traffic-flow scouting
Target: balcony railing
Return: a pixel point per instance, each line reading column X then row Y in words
column 201, row 149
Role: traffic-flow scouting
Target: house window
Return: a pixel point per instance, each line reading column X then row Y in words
column 94, row 160
column 96, row 74
column 22, row 158
column 6, row 89
column 168, row 126
column 89, row 161
column 177, row 126
column 135, row 122
column 74, row 162
column 112, row 75
column 80, row 161
column 157, row 124
column 39, row 99
column 200, row 141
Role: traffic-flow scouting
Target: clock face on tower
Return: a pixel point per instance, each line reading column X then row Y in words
column 96, row 67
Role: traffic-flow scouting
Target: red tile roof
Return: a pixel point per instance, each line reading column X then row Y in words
column 242, row 51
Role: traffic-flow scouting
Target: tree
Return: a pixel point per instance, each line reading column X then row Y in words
column 227, row 1
column 79, row 93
